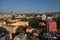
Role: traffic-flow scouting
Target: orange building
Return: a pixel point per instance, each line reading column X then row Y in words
column 51, row 26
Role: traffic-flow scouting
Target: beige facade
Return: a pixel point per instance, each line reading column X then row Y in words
column 20, row 23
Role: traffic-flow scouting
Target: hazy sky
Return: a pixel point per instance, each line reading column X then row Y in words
column 29, row 6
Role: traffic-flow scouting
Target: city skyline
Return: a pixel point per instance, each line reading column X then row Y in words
column 29, row 6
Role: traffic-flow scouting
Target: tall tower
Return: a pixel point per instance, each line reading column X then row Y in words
column 12, row 12
column 13, row 15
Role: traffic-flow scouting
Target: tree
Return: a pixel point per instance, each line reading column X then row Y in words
column 7, row 21
column 3, row 30
column 20, row 29
column 33, row 22
column 35, row 37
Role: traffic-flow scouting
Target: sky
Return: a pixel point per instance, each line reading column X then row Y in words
column 29, row 6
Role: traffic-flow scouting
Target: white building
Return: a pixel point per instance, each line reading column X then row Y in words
column 44, row 17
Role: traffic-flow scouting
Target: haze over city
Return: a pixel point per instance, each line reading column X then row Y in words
column 29, row 19
column 29, row 6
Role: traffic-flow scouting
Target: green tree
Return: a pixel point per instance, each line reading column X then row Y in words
column 7, row 21
column 35, row 37
column 20, row 29
column 33, row 22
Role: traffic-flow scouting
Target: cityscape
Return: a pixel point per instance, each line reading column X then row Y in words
column 29, row 20
column 27, row 26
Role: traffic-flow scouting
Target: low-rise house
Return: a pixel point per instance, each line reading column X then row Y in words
column 42, row 24
column 38, row 16
column 33, row 30
column 20, row 23
column 36, row 33
column 49, row 17
column 29, row 30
